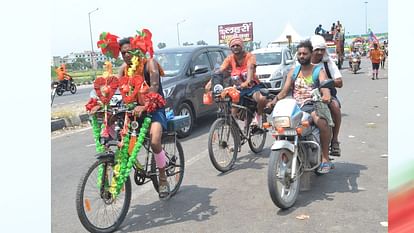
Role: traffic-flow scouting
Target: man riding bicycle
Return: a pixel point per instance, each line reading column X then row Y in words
column 242, row 67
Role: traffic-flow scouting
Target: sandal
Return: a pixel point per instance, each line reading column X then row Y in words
column 325, row 167
column 335, row 149
column 163, row 190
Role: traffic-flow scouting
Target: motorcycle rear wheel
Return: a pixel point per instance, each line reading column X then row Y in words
column 59, row 90
column 282, row 191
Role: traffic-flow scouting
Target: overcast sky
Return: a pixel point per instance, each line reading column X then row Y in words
column 70, row 25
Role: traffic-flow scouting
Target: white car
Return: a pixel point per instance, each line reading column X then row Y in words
column 273, row 65
column 332, row 53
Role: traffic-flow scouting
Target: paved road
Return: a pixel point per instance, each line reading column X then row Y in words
column 80, row 97
column 352, row 198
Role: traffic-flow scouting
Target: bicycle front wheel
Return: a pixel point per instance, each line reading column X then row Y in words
column 222, row 145
column 98, row 210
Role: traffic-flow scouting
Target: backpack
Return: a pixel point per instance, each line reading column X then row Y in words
column 315, row 74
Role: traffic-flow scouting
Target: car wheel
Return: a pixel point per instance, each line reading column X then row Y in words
column 185, row 109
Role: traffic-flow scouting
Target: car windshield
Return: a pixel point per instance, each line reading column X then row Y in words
column 331, row 50
column 263, row 59
column 171, row 62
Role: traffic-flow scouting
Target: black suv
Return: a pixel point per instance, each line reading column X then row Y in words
column 187, row 70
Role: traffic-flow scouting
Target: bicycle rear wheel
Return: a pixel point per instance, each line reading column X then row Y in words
column 223, row 145
column 98, row 210
column 257, row 136
column 175, row 168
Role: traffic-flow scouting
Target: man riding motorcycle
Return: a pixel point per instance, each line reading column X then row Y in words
column 63, row 77
column 355, row 54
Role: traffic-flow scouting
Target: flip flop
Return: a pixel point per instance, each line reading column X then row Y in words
column 325, row 167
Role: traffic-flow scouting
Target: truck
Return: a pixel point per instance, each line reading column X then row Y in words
column 335, row 47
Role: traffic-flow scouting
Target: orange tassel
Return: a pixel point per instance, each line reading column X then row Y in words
column 132, row 142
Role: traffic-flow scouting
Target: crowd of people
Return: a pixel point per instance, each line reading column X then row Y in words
column 241, row 66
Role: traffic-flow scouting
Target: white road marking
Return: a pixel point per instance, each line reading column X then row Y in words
column 70, row 133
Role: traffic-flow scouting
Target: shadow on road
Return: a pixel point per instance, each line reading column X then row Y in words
column 342, row 179
column 201, row 127
column 249, row 161
column 191, row 203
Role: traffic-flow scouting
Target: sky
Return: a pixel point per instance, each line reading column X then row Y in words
column 70, row 25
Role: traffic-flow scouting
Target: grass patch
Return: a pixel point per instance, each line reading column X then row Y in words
column 68, row 111
column 80, row 77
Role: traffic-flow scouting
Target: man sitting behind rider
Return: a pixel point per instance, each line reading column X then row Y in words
column 355, row 54
column 301, row 88
column 321, row 57
column 242, row 66
column 63, row 77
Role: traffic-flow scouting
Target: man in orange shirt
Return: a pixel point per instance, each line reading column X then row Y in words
column 241, row 64
column 63, row 77
column 375, row 55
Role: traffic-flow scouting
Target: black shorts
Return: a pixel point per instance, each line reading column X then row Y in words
column 375, row 66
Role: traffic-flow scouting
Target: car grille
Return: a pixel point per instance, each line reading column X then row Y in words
column 263, row 76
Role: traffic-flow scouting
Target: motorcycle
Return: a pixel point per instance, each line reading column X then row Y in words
column 60, row 87
column 296, row 150
column 355, row 64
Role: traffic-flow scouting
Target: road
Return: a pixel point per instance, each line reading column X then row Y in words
column 80, row 97
column 352, row 198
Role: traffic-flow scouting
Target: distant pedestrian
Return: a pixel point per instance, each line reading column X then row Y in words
column 319, row 30
column 375, row 56
column 384, row 56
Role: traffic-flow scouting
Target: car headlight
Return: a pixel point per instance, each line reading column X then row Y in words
column 168, row 91
column 277, row 75
column 281, row 122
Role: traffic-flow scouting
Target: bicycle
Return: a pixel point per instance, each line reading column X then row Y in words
column 228, row 136
column 99, row 210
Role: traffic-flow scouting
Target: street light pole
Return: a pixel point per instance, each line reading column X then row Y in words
column 178, row 31
column 90, row 31
column 366, row 29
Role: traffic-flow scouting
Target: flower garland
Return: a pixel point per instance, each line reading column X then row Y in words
column 125, row 161
column 96, row 134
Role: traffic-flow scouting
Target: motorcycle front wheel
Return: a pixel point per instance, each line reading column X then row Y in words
column 98, row 210
column 73, row 88
column 283, row 190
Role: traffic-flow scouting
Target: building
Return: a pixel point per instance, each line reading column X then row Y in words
column 72, row 57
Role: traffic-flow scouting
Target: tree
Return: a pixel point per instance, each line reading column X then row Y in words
column 201, row 42
column 187, row 44
column 161, row 45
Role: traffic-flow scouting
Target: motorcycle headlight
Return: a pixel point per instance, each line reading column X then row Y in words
column 168, row 91
column 281, row 122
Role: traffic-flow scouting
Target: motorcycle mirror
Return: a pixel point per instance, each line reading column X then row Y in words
column 327, row 84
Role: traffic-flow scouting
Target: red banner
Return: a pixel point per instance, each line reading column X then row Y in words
column 243, row 30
